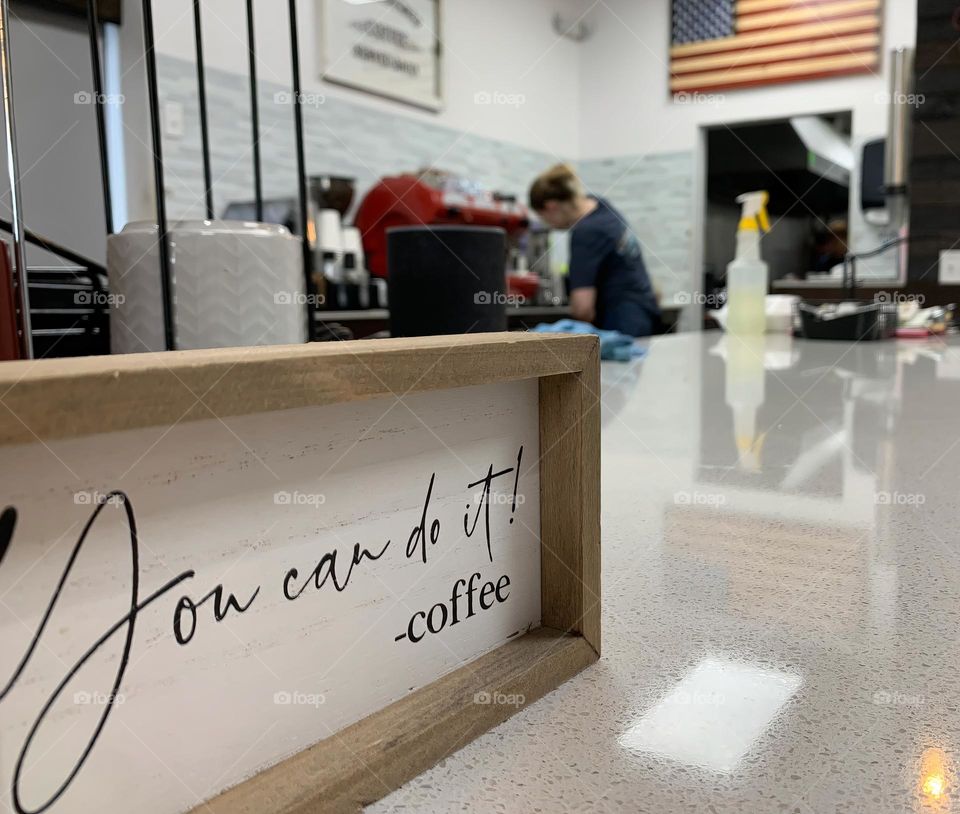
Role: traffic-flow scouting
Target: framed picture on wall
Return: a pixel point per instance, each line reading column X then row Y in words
column 387, row 47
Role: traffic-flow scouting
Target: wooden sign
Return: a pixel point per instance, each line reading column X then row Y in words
column 388, row 49
column 287, row 579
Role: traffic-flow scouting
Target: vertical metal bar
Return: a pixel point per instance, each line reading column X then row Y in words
column 13, row 172
column 93, row 25
column 301, row 166
column 254, row 112
column 204, row 122
column 166, row 286
column 896, row 158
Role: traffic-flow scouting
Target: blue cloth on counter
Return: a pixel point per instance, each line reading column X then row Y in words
column 614, row 346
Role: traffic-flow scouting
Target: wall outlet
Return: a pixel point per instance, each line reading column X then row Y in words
column 173, row 120
column 950, row 266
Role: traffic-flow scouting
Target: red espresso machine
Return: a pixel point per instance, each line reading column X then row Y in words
column 432, row 198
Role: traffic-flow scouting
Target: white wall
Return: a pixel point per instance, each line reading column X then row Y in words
column 494, row 45
column 626, row 108
column 57, row 138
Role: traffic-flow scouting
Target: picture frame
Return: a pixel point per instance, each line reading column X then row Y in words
column 395, row 53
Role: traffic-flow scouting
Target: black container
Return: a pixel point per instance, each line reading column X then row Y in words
column 446, row 280
column 869, row 321
column 69, row 312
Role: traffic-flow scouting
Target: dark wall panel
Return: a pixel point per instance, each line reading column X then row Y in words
column 935, row 165
column 109, row 10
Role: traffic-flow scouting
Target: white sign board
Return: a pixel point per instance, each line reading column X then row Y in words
column 182, row 607
column 390, row 47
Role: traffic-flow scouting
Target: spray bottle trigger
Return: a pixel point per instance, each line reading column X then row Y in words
column 763, row 219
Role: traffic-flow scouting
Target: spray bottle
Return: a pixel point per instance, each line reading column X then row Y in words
column 747, row 274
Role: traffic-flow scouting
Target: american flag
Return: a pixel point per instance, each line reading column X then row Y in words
column 719, row 44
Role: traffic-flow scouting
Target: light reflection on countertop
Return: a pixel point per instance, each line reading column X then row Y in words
column 781, row 595
column 714, row 715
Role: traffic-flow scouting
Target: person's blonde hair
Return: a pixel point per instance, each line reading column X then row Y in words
column 559, row 183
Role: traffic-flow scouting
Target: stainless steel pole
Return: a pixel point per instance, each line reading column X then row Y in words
column 13, row 173
column 897, row 156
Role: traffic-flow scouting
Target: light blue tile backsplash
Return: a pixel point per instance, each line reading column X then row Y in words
column 342, row 138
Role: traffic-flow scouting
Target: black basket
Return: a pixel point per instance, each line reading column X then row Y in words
column 866, row 321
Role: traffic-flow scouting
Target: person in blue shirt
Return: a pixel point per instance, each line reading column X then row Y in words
column 609, row 286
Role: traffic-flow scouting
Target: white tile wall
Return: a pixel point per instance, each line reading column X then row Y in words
column 341, row 137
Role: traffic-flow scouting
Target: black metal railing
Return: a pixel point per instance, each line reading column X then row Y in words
column 55, row 248
column 202, row 104
column 21, row 236
column 254, row 113
column 93, row 27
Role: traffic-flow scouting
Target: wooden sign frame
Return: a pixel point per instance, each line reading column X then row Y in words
column 56, row 399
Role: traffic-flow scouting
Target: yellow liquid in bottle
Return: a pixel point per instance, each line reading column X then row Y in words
column 746, row 297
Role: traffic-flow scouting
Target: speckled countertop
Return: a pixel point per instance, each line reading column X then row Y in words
column 781, row 618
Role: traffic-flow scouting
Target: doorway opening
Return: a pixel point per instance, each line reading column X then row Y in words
column 806, row 164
